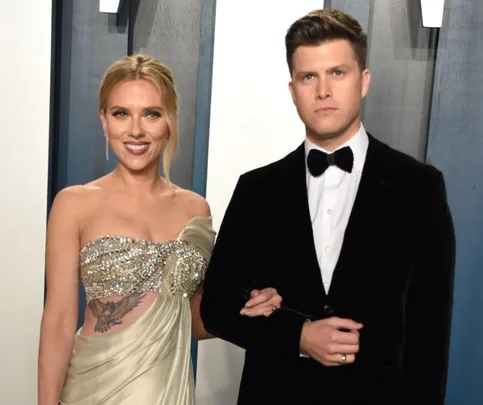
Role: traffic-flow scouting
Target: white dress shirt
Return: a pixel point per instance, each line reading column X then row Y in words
column 331, row 198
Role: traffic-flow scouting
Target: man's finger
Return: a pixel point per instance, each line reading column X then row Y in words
column 254, row 293
column 344, row 349
column 262, row 297
column 343, row 323
column 337, row 360
column 345, row 338
column 257, row 311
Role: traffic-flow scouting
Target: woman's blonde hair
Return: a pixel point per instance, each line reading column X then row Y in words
column 137, row 67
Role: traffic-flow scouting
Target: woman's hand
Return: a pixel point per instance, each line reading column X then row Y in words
column 262, row 302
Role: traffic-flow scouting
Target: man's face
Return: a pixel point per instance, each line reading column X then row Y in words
column 327, row 88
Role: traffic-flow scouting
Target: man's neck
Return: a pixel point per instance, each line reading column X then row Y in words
column 336, row 141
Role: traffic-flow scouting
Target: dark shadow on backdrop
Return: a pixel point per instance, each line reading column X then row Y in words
column 61, row 56
column 119, row 23
column 133, row 14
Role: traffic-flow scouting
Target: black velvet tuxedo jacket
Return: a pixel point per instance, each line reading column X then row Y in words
column 394, row 275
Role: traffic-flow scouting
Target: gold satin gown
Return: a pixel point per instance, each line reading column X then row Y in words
column 147, row 362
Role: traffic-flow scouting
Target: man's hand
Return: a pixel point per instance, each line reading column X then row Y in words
column 262, row 302
column 332, row 341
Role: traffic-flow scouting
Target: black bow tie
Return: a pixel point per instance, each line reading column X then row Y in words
column 319, row 161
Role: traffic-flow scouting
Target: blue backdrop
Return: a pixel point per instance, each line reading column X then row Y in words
column 456, row 147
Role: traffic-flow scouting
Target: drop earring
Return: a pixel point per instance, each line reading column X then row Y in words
column 107, row 148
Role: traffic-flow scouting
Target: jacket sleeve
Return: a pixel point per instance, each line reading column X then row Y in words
column 233, row 272
column 429, row 302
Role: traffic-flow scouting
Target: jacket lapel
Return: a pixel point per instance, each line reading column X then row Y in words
column 301, row 225
column 368, row 215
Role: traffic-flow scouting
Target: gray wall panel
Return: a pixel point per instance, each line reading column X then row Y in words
column 401, row 58
column 456, row 147
column 170, row 31
column 359, row 9
column 203, row 103
column 91, row 41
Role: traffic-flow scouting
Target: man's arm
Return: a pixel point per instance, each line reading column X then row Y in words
column 233, row 272
column 429, row 303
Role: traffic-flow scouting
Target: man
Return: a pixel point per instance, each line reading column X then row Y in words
column 356, row 237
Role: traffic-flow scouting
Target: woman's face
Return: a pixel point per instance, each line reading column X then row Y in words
column 135, row 123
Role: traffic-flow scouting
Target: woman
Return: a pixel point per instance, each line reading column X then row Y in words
column 140, row 245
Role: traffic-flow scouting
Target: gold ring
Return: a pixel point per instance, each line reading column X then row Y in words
column 343, row 359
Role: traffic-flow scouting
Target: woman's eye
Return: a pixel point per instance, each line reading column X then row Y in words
column 119, row 114
column 153, row 114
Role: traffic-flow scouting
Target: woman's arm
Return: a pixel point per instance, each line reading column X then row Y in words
column 59, row 319
column 197, row 329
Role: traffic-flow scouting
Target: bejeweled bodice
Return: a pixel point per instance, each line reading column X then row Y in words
column 117, row 265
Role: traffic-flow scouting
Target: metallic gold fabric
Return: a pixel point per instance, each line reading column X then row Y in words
column 148, row 361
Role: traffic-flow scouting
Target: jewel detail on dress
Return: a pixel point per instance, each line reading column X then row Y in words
column 116, row 265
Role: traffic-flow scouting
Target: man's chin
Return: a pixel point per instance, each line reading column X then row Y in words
column 329, row 138
column 331, row 132
column 325, row 134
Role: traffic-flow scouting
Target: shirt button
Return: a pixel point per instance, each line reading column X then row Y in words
column 327, row 249
column 329, row 211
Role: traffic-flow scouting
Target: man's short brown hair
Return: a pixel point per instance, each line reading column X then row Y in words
column 324, row 25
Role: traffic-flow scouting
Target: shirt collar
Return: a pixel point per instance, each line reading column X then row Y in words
column 358, row 143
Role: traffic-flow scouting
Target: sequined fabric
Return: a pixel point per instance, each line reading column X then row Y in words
column 115, row 265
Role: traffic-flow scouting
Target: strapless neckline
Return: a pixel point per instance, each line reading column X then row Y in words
column 122, row 238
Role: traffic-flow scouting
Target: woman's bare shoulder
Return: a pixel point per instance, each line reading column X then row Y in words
column 193, row 203
column 77, row 198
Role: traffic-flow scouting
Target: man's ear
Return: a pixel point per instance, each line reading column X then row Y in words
column 292, row 91
column 366, row 82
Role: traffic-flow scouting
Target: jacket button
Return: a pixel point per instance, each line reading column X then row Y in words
column 328, row 309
